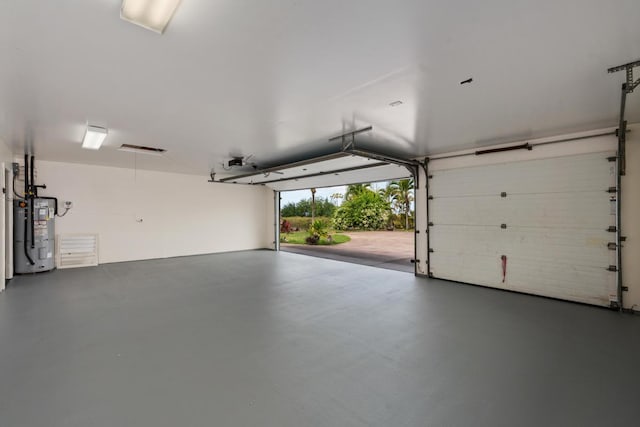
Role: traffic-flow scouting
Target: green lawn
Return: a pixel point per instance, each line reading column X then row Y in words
column 298, row 238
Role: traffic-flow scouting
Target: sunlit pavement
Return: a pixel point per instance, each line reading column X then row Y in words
column 392, row 250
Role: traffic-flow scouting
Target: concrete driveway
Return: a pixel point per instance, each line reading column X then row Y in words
column 385, row 249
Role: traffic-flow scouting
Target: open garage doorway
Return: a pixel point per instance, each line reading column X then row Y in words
column 350, row 181
column 365, row 223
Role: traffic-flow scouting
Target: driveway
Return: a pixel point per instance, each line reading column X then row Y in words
column 385, row 249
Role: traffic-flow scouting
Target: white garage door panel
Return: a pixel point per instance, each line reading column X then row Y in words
column 475, row 268
column 544, row 246
column 557, row 212
column 578, row 283
column 588, row 284
column 530, row 210
column 585, row 172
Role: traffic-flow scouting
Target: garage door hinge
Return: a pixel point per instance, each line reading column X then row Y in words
column 430, row 198
column 503, row 194
column 431, row 250
column 430, row 177
column 625, row 289
column 612, row 246
column 430, row 224
column 612, row 229
column 612, row 268
column 417, row 231
column 414, row 261
column 503, row 226
column 612, row 190
column 623, row 238
column 612, row 158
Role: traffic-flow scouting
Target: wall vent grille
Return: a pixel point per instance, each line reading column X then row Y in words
column 76, row 250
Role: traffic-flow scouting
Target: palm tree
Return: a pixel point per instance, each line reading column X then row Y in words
column 403, row 191
column 388, row 193
column 354, row 190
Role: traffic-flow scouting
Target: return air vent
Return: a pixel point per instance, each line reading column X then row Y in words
column 77, row 250
column 142, row 149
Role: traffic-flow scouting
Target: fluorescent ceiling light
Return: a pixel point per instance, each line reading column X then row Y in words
column 94, row 137
column 153, row 15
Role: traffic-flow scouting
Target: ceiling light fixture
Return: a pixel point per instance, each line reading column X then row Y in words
column 396, row 103
column 153, row 15
column 94, row 137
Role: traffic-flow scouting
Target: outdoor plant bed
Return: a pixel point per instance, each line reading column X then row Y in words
column 300, row 237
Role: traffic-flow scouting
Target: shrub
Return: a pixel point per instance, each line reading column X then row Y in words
column 312, row 240
column 285, row 227
column 319, row 228
column 365, row 211
column 301, row 223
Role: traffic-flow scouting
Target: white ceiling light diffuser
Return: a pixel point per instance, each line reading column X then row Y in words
column 153, row 15
column 94, row 137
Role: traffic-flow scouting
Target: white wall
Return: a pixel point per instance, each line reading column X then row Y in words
column 145, row 214
column 631, row 221
column 630, row 191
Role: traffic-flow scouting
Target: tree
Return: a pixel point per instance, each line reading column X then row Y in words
column 354, row 190
column 288, row 210
column 367, row 211
column 324, row 207
column 335, row 197
column 403, row 196
column 303, row 208
column 389, row 195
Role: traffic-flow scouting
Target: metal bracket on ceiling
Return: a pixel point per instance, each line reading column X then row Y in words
column 411, row 165
column 348, row 139
column 349, row 146
column 630, row 84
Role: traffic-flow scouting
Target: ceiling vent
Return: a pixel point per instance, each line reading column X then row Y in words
column 142, row 149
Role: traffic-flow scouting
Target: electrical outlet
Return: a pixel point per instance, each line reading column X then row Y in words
column 68, row 204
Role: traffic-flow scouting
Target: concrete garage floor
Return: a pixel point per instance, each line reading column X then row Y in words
column 277, row 339
column 392, row 250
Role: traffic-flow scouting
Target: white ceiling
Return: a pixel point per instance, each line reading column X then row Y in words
column 277, row 78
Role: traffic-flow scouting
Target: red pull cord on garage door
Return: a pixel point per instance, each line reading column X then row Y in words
column 504, row 267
